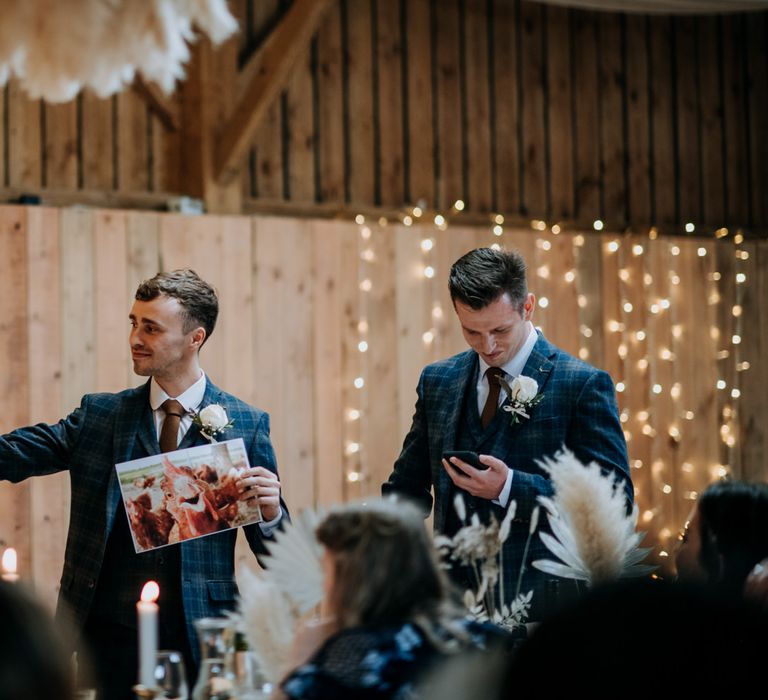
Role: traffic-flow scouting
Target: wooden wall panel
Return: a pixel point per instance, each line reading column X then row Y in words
column 48, row 496
column 289, row 335
column 477, row 170
column 447, row 68
column 507, row 91
column 98, row 148
column 560, row 98
column 24, row 145
column 330, row 125
column 419, row 135
column 586, row 117
column 14, row 346
column 611, row 88
column 638, row 114
column 688, row 125
column 534, row 111
column 132, row 145
column 388, row 100
column 60, row 155
column 533, row 118
column 299, row 102
column 360, row 166
column 663, row 78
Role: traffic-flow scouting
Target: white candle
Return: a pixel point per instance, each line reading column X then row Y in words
column 10, row 565
column 147, row 611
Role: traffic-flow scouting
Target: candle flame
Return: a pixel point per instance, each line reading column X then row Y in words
column 150, row 592
column 10, row 561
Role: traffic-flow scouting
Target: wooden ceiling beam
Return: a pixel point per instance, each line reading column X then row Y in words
column 163, row 107
column 263, row 78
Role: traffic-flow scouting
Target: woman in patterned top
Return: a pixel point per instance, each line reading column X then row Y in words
column 390, row 618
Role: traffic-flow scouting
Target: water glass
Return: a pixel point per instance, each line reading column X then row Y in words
column 171, row 676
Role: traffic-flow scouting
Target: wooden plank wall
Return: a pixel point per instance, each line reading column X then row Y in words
column 531, row 110
column 310, row 307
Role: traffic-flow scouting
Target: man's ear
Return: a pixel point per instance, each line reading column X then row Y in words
column 528, row 306
column 198, row 337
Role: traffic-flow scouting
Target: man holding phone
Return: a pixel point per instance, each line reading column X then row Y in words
column 464, row 407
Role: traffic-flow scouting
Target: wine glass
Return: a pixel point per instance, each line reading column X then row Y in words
column 170, row 675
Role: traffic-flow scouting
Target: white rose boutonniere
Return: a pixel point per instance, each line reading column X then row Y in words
column 212, row 421
column 523, row 394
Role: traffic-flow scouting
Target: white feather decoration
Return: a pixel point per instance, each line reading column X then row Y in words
column 592, row 535
column 57, row 47
column 293, row 563
column 272, row 601
column 268, row 623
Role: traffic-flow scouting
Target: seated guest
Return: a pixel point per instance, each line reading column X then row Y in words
column 655, row 635
column 34, row 660
column 390, row 618
column 628, row 638
column 726, row 536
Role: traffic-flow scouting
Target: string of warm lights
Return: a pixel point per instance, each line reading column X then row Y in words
column 353, row 441
column 648, row 334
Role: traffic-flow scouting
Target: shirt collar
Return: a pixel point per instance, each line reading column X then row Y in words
column 516, row 364
column 191, row 398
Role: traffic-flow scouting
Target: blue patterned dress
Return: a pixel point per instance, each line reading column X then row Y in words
column 382, row 662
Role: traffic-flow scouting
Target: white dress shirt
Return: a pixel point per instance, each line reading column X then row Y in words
column 191, row 399
column 511, row 369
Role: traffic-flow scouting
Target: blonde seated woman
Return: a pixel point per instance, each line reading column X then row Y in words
column 390, row 618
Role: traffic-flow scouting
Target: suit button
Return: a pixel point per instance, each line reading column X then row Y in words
column 91, row 583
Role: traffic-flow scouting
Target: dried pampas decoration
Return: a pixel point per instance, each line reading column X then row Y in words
column 592, row 534
column 272, row 602
column 268, row 624
column 57, row 47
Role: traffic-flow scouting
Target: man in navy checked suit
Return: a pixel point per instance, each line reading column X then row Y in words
column 173, row 315
column 578, row 410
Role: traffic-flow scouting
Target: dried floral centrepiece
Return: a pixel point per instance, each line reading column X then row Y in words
column 480, row 548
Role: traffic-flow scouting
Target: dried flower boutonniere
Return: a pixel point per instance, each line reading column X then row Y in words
column 523, row 394
column 212, row 421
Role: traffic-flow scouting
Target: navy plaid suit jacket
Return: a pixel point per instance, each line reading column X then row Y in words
column 108, row 429
column 578, row 411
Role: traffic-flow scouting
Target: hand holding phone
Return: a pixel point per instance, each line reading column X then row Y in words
column 467, row 456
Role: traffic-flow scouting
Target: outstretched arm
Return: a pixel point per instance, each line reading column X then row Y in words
column 41, row 449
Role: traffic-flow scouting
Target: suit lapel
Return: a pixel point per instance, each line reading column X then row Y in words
column 134, row 424
column 466, row 371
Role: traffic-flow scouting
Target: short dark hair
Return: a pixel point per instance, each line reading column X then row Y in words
column 733, row 522
column 481, row 276
column 199, row 303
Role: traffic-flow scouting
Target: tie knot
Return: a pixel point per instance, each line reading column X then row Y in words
column 493, row 373
column 173, row 408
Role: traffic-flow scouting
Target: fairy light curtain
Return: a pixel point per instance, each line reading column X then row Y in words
column 662, row 314
column 57, row 47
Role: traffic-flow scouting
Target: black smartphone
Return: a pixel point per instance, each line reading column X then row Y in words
column 465, row 456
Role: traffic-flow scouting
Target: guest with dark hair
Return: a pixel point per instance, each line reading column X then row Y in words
column 726, row 536
column 390, row 614
column 626, row 638
column 34, row 657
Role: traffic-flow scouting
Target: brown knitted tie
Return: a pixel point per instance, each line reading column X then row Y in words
column 492, row 374
column 170, row 432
